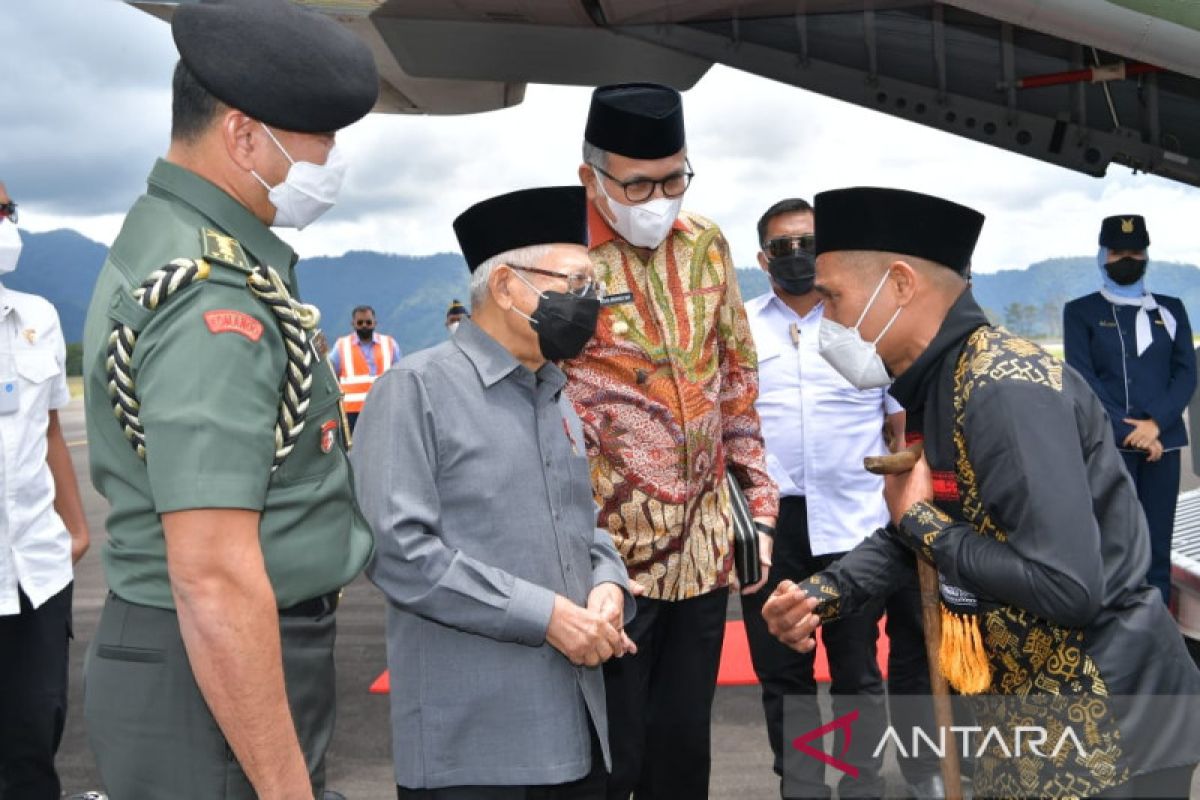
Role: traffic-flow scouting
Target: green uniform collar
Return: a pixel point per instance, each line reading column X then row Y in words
column 226, row 213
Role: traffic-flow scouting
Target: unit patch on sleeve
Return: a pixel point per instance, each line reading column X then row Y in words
column 225, row 321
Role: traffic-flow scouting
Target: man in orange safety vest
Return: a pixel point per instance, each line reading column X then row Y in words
column 361, row 357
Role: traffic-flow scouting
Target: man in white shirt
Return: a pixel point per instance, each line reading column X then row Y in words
column 42, row 533
column 818, row 428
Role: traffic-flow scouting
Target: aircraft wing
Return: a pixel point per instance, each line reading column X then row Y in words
column 1077, row 83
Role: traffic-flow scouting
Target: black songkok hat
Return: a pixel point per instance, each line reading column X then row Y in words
column 636, row 120
column 1124, row 232
column 286, row 66
column 456, row 307
column 897, row 221
column 553, row 215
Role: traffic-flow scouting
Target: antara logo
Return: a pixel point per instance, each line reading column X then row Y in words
column 842, row 723
column 1024, row 741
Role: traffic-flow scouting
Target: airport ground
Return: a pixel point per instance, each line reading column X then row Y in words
column 359, row 763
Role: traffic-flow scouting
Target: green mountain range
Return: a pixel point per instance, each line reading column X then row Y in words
column 410, row 293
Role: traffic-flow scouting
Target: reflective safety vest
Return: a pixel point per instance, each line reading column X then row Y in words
column 355, row 376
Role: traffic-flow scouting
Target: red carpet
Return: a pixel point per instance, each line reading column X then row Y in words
column 736, row 669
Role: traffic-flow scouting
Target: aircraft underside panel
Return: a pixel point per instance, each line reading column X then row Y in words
column 964, row 73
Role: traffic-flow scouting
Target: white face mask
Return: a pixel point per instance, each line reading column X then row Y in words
column 308, row 191
column 850, row 355
column 643, row 225
column 10, row 246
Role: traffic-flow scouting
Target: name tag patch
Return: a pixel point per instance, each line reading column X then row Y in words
column 239, row 322
column 617, row 299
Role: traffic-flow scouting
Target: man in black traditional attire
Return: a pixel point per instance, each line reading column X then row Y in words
column 1021, row 502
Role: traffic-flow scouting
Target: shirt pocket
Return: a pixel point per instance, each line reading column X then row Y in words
column 314, row 455
column 36, row 366
column 36, row 369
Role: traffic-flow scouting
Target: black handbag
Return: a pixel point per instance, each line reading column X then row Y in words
column 745, row 535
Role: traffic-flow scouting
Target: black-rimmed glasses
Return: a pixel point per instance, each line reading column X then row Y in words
column 639, row 190
column 790, row 245
column 579, row 284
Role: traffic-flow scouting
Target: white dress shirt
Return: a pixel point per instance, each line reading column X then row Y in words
column 817, row 427
column 35, row 547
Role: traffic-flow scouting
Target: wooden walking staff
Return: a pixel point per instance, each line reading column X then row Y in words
column 896, row 464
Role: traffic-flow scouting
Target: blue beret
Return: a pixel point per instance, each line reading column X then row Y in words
column 286, row 66
column 1124, row 232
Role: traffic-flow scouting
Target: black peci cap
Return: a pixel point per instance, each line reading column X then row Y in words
column 284, row 65
column 636, row 120
column 897, row 221
column 1124, row 232
column 551, row 215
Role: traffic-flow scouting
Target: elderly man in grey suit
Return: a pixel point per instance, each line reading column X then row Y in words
column 504, row 595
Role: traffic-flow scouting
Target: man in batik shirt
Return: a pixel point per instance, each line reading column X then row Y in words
column 666, row 392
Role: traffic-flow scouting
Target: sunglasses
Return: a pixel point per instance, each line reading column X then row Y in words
column 790, row 245
column 364, row 323
column 9, row 210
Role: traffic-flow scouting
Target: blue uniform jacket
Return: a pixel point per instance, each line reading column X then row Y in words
column 1100, row 340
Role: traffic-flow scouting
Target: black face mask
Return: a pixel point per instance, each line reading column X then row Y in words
column 1126, row 271
column 564, row 324
column 794, row 274
column 366, row 333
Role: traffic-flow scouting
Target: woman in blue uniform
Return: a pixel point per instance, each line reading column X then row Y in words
column 1135, row 350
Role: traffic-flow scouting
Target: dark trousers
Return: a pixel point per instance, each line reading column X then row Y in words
column 352, row 419
column 33, row 696
column 850, row 650
column 660, row 701
column 149, row 726
column 1163, row 784
column 590, row 787
column 1158, row 491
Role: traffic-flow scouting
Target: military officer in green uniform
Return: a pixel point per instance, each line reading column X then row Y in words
column 216, row 430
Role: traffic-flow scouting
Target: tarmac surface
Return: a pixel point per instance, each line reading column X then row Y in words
column 359, row 761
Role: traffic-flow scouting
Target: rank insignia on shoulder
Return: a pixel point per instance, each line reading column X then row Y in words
column 223, row 249
column 328, row 435
column 617, row 299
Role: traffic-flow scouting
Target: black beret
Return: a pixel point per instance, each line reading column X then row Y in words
column 456, row 307
column 286, row 66
column 636, row 120
column 1124, row 232
column 896, row 221
column 553, row 215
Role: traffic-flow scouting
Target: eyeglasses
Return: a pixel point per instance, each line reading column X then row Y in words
column 364, row 323
column 579, row 284
column 9, row 210
column 790, row 245
column 639, row 190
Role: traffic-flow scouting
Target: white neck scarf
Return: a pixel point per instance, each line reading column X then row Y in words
column 1145, row 335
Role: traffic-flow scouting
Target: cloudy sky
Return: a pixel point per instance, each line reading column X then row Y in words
column 85, row 104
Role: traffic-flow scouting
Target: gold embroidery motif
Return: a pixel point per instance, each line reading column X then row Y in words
column 1042, row 664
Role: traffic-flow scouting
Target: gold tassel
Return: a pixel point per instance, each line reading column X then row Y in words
column 962, row 658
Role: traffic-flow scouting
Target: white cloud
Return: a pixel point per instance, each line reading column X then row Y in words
column 752, row 141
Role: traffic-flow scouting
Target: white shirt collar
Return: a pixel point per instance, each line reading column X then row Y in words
column 771, row 299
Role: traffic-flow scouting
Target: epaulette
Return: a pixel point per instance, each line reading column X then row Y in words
column 217, row 247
